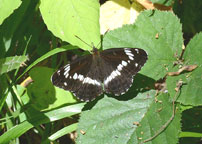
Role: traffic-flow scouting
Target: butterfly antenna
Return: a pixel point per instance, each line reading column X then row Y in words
column 101, row 40
column 83, row 41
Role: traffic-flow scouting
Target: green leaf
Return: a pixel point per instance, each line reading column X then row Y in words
column 190, row 134
column 45, row 56
column 158, row 114
column 43, row 95
column 143, row 34
column 191, row 122
column 3, row 90
column 37, row 118
column 63, row 131
column 112, row 121
column 191, row 126
column 10, row 63
column 67, row 18
column 163, row 2
column 7, row 7
column 190, row 93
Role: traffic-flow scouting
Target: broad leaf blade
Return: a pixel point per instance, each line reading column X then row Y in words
column 67, row 18
column 159, row 33
column 7, row 7
column 129, row 122
column 111, row 121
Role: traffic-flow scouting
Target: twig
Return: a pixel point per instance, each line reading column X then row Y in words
column 179, row 84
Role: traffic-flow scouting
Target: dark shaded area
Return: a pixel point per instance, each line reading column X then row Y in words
column 141, row 84
column 190, row 15
column 192, row 122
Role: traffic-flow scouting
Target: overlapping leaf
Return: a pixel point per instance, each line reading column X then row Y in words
column 192, row 82
column 159, row 33
column 67, row 18
column 7, row 7
column 125, row 122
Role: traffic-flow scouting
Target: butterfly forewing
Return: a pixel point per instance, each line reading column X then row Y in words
column 78, row 78
column 123, row 64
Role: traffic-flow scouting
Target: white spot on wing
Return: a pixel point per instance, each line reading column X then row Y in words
column 91, row 81
column 67, row 68
column 124, row 63
column 66, row 74
column 58, row 72
column 129, row 54
column 131, row 58
column 127, row 50
column 75, row 76
column 137, row 51
column 114, row 74
column 80, row 77
column 136, row 64
column 119, row 67
column 65, row 83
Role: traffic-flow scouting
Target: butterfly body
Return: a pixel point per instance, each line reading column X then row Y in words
column 111, row 70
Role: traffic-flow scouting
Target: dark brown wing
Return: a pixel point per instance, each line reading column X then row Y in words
column 79, row 77
column 121, row 64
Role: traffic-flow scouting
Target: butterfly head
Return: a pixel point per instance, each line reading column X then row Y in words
column 95, row 51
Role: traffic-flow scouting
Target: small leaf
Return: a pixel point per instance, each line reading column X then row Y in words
column 67, row 18
column 7, row 7
column 190, row 93
column 10, row 63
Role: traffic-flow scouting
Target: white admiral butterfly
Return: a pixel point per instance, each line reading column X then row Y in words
column 111, row 70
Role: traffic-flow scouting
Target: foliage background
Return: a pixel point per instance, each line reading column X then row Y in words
column 37, row 37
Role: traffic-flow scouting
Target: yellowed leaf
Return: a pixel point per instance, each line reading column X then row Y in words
column 115, row 13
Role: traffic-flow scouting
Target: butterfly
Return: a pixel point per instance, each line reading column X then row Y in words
column 109, row 71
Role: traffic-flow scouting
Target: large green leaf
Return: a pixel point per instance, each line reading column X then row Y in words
column 67, row 18
column 191, row 90
column 133, row 121
column 159, row 33
column 7, row 7
column 10, row 63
